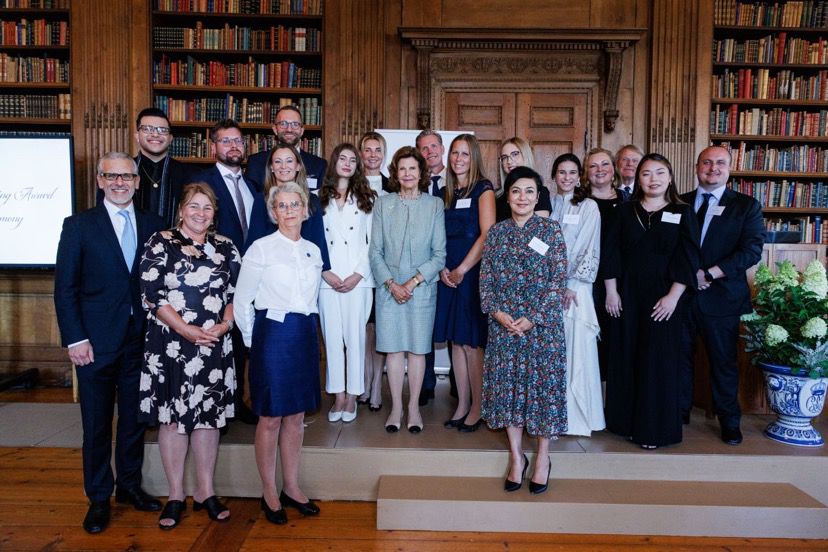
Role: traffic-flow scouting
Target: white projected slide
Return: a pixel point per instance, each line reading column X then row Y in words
column 36, row 194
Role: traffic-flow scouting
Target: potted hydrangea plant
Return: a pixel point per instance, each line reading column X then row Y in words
column 787, row 332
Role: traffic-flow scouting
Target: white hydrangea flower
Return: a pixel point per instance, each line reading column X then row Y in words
column 815, row 328
column 215, row 375
column 189, row 316
column 180, row 406
column 158, row 248
column 197, row 396
column 176, row 300
column 814, row 279
column 146, row 403
column 145, row 383
column 193, row 367
column 164, row 414
column 217, row 258
column 212, row 303
column 751, row 317
column 208, row 405
column 171, row 281
column 230, row 379
column 153, row 363
column 774, row 335
column 150, row 275
column 173, row 349
column 199, row 277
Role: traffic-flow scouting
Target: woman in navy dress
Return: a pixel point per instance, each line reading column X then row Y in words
column 276, row 311
column 650, row 261
column 470, row 212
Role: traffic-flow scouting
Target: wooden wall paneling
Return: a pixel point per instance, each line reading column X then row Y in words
column 420, row 13
column 612, row 13
column 496, row 14
column 704, row 72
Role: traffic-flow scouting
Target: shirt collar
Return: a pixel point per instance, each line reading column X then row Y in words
column 717, row 193
column 225, row 171
column 113, row 209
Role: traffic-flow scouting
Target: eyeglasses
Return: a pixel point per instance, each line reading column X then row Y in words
column 513, row 156
column 228, row 141
column 149, row 129
column 292, row 206
column 288, row 124
column 719, row 163
column 112, row 177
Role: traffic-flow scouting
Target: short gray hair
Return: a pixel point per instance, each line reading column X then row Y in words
column 112, row 156
column 286, row 188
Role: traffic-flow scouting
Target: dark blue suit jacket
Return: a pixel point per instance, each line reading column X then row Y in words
column 94, row 290
column 227, row 218
column 256, row 172
column 733, row 242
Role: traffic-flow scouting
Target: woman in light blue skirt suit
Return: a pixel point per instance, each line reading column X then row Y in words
column 408, row 250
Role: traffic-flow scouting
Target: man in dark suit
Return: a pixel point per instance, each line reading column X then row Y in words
column 101, row 320
column 626, row 163
column 731, row 237
column 288, row 129
column 242, row 217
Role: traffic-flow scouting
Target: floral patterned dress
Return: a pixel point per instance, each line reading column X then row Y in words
column 524, row 378
column 182, row 383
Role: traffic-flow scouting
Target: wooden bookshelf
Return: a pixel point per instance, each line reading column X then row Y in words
column 208, row 66
column 35, row 75
column 769, row 106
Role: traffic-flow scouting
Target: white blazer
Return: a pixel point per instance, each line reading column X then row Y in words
column 348, row 236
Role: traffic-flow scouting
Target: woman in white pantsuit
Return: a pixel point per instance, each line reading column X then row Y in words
column 346, row 294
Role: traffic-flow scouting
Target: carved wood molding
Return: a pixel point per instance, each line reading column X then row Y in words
column 586, row 54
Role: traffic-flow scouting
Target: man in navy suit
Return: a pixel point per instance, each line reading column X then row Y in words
column 731, row 237
column 101, row 320
column 288, row 129
column 242, row 217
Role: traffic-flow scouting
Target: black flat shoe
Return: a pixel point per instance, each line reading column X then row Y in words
column 538, row 488
column 277, row 517
column 373, row 408
column 392, row 427
column 140, row 499
column 213, row 506
column 415, row 428
column 97, row 517
column 308, row 508
column 463, row 427
column 511, row 486
column 454, row 423
column 731, row 435
column 425, row 396
column 172, row 510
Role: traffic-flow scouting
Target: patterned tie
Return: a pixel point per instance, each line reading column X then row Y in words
column 435, row 186
column 129, row 243
column 240, row 204
column 628, row 190
column 702, row 212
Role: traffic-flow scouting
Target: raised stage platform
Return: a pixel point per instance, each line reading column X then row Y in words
column 446, row 480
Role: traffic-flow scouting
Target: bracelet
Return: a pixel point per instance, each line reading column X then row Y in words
column 230, row 324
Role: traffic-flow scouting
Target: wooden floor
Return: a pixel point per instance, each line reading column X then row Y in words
column 42, row 507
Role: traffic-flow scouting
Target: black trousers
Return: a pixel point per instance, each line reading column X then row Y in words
column 113, row 376
column 720, row 335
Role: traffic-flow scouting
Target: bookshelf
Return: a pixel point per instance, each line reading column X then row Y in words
column 242, row 59
column 35, row 80
column 769, row 106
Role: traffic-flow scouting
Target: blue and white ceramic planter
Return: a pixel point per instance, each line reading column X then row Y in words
column 795, row 400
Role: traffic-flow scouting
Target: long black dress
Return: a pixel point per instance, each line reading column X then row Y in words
column 609, row 325
column 646, row 253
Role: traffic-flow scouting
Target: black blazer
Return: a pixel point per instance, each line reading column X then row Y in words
column 94, row 290
column 227, row 218
column 733, row 242
column 256, row 172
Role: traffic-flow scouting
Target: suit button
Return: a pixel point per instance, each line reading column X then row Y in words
column 346, row 243
column 351, row 228
column 331, row 243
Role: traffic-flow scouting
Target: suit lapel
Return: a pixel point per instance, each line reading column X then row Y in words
column 224, row 198
column 109, row 236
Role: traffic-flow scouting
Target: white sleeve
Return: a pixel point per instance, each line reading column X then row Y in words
column 247, row 287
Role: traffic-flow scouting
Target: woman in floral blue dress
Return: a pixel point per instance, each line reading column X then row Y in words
column 522, row 282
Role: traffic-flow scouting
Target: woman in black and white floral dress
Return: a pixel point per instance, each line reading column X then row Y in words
column 188, row 383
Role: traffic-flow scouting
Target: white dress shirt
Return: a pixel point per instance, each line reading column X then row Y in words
column 280, row 275
column 712, row 203
column 227, row 175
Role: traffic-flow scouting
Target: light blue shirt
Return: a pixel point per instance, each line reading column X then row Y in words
column 712, row 202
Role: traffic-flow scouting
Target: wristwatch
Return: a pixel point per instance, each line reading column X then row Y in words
column 707, row 276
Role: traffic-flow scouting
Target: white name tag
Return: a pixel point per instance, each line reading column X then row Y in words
column 571, row 218
column 539, row 246
column 717, row 210
column 312, row 183
column 463, row 203
column 276, row 315
column 672, row 218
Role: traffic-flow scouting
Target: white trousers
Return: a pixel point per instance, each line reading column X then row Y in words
column 343, row 317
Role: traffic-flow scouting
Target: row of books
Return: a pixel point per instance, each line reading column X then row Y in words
column 784, row 193
column 811, row 229
column 34, row 32
column 37, row 4
column 197, row 144
column 801, row 158
column 275, row 38
column 242, row 110
column 762, row 122
column 190, row 71
column 760, row 84
column 279, row 7
column 777, row 14
column 58, row 106
column 776, row 49
column 33, row 69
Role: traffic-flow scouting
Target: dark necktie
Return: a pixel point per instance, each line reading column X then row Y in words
column 435, row 186
column 702, row 212
column 240, row 203
column 628, row 190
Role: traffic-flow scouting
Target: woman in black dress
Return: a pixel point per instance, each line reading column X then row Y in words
column 651, row 260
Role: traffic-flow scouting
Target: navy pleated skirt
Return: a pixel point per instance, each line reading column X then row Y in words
column 284, row 365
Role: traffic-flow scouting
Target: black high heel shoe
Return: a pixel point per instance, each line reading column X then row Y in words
column 308, row 508
column 172, row 510
column 511, row 486
column 373, row 408
column 454, row 423
column 463, row 427
column 213, row 506
column 538, row 488
column 278, row 517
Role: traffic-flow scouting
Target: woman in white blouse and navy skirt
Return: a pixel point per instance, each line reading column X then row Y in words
column 276, row 297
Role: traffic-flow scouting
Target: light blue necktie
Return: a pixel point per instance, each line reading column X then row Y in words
column 128, row 241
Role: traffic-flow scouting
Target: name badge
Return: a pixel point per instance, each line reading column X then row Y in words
column 463, row 203
column 571, row 218
column 717, row 210
column 672, row 218
column 312, row 183
column 539, row 246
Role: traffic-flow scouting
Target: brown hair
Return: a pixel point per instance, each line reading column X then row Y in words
column 188, row 192
column 671, row 194
column 301, row 172
column 406, row 152
column 580, row 192
column 525, row 150
column 358, row 186
column 475, row 173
